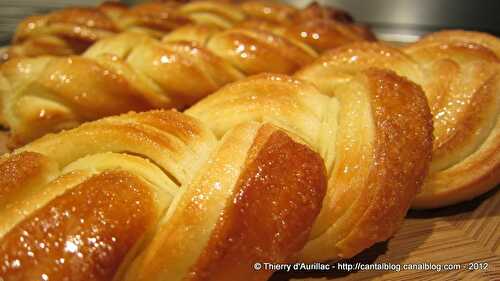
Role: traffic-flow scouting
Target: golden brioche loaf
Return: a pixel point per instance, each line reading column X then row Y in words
column 156, row 196
column 163, row 196
column 374, row 134
column 72, row 30
column 460, row 74
column 132, row 71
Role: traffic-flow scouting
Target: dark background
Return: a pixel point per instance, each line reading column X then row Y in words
column 394, row 20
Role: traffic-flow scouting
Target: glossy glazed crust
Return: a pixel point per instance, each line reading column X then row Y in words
column 49, row 94
column 234, row 228
column 132, row 71
column 84, row 233
column 377, row 175
column 185, row 141
column 76, row 28
column 278, row 12
column 467, row 116
column 155, row 196
column 459, row 72
column 72, row 30
column 374, row 134
column 464, row 36
column 293, row 194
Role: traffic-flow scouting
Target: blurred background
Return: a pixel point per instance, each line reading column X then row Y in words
column 393, row 20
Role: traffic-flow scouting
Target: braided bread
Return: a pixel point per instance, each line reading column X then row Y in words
column 132, row 71
column 156, row 196
column 460, row 74
column 375, row 136
column 108, row 206
column 73, row 30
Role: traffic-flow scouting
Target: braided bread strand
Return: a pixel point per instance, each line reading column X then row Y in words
column 72, row 30
column 156, row 196
column 375, row 136
column 132, row 71
column 375, row 156
column 460, row 74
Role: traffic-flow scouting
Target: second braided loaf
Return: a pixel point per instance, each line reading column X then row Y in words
column 72, row 30
column 132, row 71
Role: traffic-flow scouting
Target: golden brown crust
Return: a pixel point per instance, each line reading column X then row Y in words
column 335, row 66
column 320, row 34
column 110, row 202
column 278, row 12
column 24, row 169
column 58, row 93
column 376, row 154
column 84, row 233
column 185, row 141
column 256, row 51
column 463, row 100
column 79, row 27
column 196, row 33
column 219, row 217
column 466, row 107
column 400, row 111
column 132, row 71
column 299, row 107
column 475, row 168
column 88, row 18
column 72, row 30
column 462, row 36
column 323, row 34
column 219, row 14
column 71, row 100
column 47, row 94
column 460, row 76
column 293, row 195
column 271, row 11
column 155, row 16
column 40, row 46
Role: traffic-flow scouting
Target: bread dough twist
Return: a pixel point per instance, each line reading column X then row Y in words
column 459, row 72
column 156, row 196
column 132, row 71
column 72, row 30
column 374, row 134
column 279, row 172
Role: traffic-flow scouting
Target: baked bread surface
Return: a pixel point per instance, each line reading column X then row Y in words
column 374, row 134
column 72, row 30
column 131, row 68
column 156, row 196
column 459, row 72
